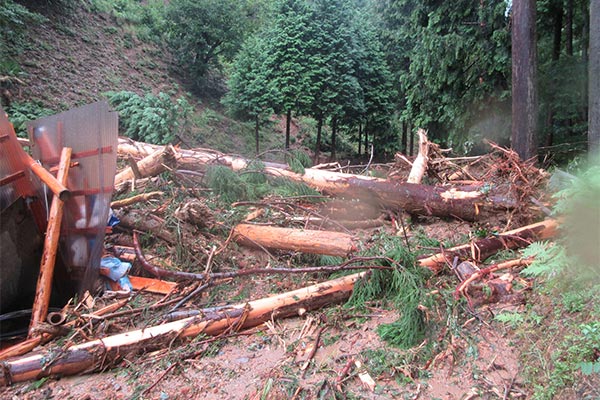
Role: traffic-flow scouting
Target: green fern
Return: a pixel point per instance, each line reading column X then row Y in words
column 550, row 259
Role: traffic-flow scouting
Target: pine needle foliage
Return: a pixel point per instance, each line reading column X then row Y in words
column 287, row 188
column 252, row 184
column 225, row 184
column 297, row 161
column 403, row 287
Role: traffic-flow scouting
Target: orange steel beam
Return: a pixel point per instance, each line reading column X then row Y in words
column 44, row 283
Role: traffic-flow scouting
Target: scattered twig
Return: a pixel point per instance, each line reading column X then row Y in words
column 161, row 377
column 342, row 375
column 313, row 351
column 135, row 199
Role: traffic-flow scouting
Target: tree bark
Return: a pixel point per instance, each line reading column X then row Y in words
column 359, row 137
column 558, row 15
column 100, row 353
column 524, row 91
column 333, row 137
column 569, row 27
column 288, row 122
column 404, row 137
column 366, row 133
column 411, row 144
column 302, row 240
column 318, row 143
column 594, row 82
column 256, row 134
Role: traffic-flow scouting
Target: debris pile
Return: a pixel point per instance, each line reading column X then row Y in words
column 172, row 240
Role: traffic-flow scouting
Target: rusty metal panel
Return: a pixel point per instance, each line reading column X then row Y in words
column 91, row 131
column 13, row 171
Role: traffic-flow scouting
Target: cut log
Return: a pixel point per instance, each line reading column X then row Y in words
column 100, row 353
column 302, row 240
column 471, row 202
column 151, row 165
column 481, row 249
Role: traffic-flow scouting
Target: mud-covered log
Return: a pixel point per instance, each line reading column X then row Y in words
column 302, row 240
column 470, row 202
column 481, row 249
column 100, row 353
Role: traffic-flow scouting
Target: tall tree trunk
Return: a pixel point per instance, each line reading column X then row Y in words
column 404, row 137
column 411, row 141
column 557, row 9
column 594, row 81
column 524, row 91
column 584, row 57
column 256, row 130
column 333, row 136
column 366, row 132
column 288, row 122
column 318, row 144
column 569, row 27
column 558, row 16
column 359, row 137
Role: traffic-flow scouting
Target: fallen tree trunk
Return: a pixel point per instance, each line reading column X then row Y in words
column 302, row 240
column 151, row 165
column 481, row 249
column 100, row 353
column 471, row 202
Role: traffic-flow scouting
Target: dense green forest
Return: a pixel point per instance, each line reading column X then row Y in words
column 366, row 73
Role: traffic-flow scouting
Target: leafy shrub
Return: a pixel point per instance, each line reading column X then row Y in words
column 153, row 119
column 21, row 113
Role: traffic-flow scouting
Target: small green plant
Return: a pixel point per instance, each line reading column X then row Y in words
column 513, row 319
column 154, row 119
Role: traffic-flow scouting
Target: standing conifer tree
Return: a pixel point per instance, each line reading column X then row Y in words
column 289, row 59
column 250, row 93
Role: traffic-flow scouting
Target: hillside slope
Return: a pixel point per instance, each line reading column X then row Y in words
column 72, row 59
